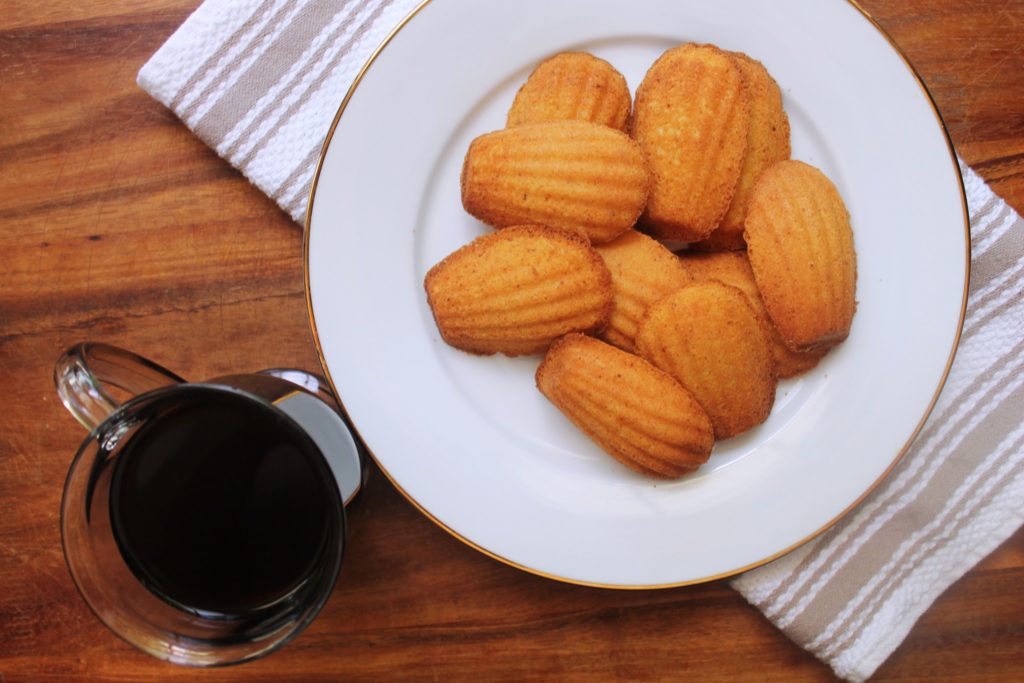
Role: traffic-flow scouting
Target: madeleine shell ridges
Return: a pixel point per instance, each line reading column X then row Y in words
column 567, row 174
column 732, row 268
column 638, row 414
column 573, row 86
column 643, row 270
column 768, row 142
column 691, row 115
column 709, row 338
column 801, row 250
column 517, row 290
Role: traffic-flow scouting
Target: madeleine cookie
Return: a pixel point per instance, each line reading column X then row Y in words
column 767, row 144
column 638, row 414
column 732, row 268
column 567, row 174
column 573, row 86
column 709, row 338
column 643, row 271
column 691, row 117
column 801, row 250
column 517, row 290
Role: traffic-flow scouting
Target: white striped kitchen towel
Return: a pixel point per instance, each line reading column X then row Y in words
column 260, row 80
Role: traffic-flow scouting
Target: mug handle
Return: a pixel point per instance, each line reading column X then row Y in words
column 83, row 373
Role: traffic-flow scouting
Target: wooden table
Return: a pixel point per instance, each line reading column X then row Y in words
column 118, row 225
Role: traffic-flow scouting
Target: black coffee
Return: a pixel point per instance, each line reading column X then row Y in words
column 218, row 505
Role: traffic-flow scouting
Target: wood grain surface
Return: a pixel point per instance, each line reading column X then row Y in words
column 116, row 224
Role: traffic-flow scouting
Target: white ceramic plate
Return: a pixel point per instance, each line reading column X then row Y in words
column 472, row 442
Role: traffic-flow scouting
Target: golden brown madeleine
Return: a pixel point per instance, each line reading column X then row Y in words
column 767, row 144
column 635, row 412
column 801, row 250
column 690, row 117
column 709, row 338
column 517, row 290
column 573, row 86
column 643, row 271
column 567, row 174
column 732, row 268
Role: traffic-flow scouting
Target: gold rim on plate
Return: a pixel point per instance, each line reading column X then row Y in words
column 739, row 570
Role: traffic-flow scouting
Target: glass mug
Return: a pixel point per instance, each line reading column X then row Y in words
column 203, row 522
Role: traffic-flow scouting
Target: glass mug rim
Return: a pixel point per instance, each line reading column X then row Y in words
column 93, row 446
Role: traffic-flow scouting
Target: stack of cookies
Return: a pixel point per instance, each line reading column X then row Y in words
column 653, row 353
